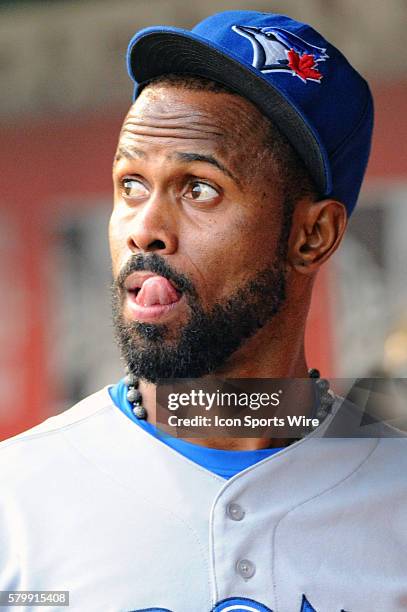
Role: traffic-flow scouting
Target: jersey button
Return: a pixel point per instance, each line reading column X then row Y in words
column 245, row 568
column 235, row 512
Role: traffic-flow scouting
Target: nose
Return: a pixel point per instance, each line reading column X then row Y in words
column 153, row 228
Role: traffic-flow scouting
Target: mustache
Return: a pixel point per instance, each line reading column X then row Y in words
column 158, row 265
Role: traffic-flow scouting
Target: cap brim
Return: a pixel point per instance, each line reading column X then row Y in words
column 158, row 51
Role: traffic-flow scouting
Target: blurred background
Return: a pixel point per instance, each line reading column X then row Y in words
column 64, row 92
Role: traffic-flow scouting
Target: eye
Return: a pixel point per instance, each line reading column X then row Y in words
column 133, row 188
column 200, row 192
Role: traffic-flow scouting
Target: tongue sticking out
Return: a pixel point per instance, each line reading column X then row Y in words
column 156, row 290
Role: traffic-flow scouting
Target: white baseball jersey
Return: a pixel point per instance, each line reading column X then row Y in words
column 93, row 504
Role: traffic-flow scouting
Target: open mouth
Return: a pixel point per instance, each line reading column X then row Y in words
column 150, row 295
column 151, row 290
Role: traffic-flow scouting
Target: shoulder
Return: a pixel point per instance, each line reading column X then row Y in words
column 40, row 443
column 381, row 443
column 360, row 420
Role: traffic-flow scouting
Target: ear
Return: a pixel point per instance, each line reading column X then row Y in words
column 316, row 232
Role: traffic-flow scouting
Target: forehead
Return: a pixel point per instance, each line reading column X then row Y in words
column 171, row 116
column 223, row 109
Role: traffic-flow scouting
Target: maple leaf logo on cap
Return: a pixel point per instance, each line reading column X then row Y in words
column 303, row 66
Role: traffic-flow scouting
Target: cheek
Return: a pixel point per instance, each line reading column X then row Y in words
column 228, row 257
column 265, row 230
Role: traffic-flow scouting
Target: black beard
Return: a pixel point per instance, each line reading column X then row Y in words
column 209, row 338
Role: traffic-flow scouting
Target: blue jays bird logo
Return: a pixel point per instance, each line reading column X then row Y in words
column 240, row 604
column 277, row 50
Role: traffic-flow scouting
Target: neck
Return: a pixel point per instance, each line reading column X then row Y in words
column 276, row 350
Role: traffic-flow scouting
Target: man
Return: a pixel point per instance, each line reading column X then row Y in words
column 236, row 170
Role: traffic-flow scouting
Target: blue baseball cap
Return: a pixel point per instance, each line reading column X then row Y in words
column 289, row 71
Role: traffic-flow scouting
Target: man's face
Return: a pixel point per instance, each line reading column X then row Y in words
column 195, row 233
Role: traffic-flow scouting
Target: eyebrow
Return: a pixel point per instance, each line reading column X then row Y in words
column 207, row 159
column 131, row 152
